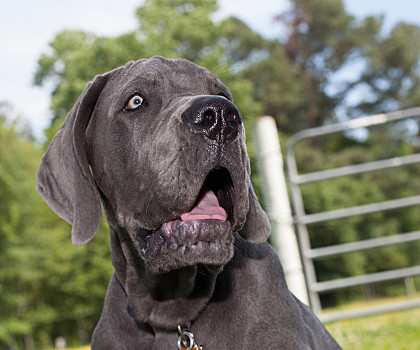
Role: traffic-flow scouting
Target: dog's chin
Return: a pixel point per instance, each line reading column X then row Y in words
column 177, row 244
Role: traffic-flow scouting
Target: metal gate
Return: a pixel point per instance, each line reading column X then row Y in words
column 302, row 220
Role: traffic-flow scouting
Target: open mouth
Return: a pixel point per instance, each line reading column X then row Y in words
column 220, row 183
column 201, row 235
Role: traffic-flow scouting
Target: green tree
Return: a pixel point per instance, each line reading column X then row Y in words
column 19, row 253
column 181, row 28
column 327, row 59
column 45, row 284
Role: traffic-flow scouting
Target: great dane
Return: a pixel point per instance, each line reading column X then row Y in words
column 160, row 143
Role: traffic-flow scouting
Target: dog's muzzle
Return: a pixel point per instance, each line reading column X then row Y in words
column 202, row 235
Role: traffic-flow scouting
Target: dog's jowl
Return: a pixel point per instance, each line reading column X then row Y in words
column 161, row 145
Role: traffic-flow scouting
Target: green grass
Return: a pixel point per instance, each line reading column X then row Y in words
column 399, row 330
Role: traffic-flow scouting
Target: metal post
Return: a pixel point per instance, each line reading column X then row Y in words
column 283, row 238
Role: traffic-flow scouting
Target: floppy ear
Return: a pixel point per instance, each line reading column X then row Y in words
column 257, row 226
column 64, row 178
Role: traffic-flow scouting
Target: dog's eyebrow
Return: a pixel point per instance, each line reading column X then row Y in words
column 142, row 80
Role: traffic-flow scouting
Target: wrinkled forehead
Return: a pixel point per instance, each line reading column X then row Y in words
column 170, row 77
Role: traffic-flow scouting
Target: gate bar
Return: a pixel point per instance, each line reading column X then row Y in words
column 339, row 249
column 357, row 169
column 376, row 277
column 358, row 210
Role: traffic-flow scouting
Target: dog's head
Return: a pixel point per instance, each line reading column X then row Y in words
column 163, row 145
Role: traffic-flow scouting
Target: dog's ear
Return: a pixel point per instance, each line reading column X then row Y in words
column 257, row 226
column 64, row 178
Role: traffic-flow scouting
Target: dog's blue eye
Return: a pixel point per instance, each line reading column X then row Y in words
column 134, row 102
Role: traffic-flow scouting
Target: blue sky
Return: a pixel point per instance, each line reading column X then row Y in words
column 27, row 26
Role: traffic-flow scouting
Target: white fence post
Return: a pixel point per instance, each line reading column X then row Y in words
column 276, row 198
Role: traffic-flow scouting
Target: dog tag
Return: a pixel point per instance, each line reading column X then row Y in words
column 186, row 341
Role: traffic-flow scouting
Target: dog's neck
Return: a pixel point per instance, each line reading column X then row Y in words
column 162, row 301
column 174, row 284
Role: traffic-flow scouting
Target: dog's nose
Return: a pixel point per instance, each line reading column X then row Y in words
column 215, row 117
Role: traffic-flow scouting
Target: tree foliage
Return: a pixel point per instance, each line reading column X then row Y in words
column 333, row 62
column 45, row 284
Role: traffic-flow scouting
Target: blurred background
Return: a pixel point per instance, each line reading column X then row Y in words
column 306, row 63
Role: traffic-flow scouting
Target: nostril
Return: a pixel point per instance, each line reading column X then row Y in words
column 203, row 118
column 209, row 116
column 233, row 119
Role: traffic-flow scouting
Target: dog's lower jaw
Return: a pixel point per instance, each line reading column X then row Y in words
column 206, row 242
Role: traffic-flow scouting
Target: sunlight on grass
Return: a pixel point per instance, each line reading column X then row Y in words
column 396, row 330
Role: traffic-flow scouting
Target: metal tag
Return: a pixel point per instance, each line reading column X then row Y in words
column 186, row 341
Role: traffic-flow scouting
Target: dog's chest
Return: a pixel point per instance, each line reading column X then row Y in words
column 165, row 340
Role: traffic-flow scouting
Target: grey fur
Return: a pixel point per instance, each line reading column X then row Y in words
column 147, row 166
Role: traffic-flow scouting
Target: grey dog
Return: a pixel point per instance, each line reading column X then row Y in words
column 160, row 143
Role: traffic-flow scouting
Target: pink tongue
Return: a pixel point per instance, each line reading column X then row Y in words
column 207, row 208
